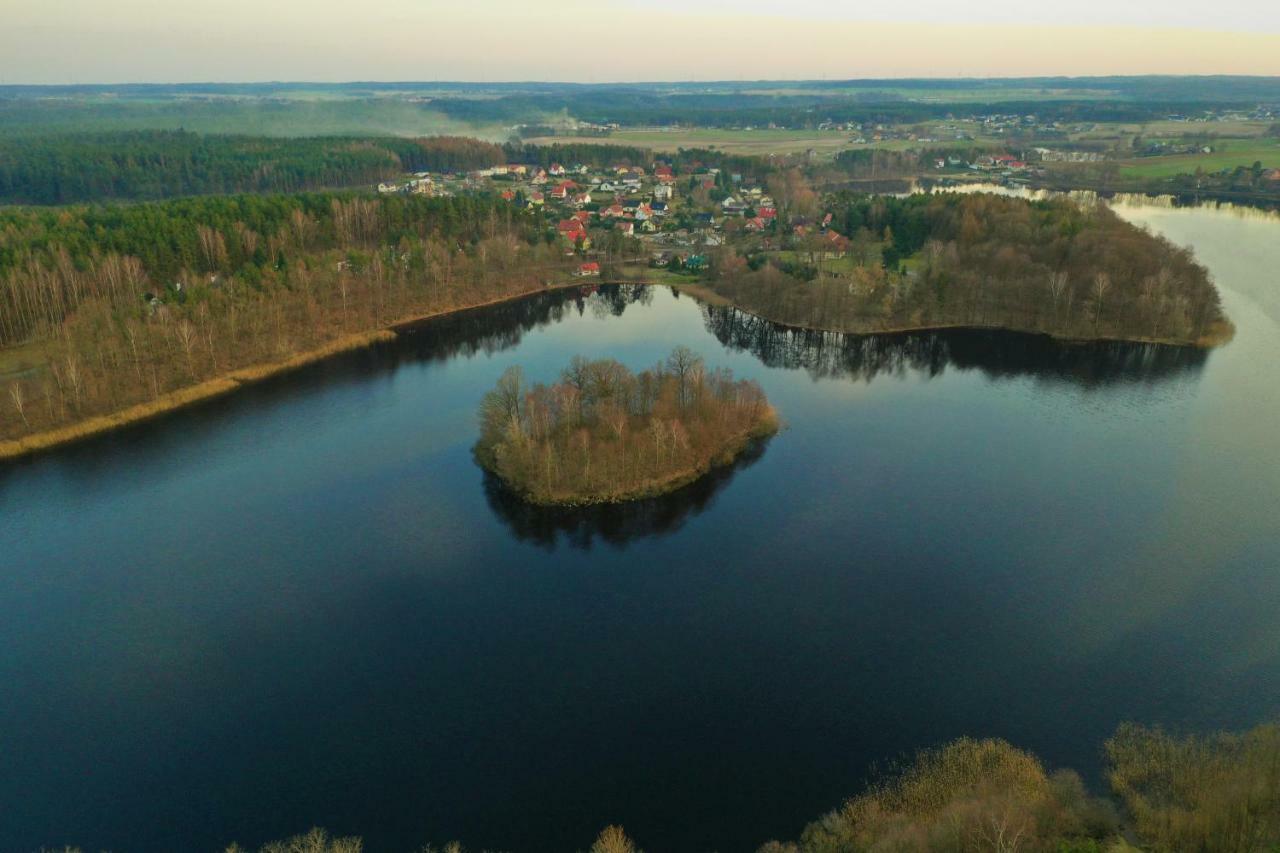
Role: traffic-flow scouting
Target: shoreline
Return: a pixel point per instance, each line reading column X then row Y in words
column 1210, row 341
column 769, row 426
column 218, row 386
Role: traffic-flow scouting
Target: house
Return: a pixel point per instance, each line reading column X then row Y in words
column 1272, row 175
column 755, row 224
column 732, row 205
column 388, row 188
column 536, row 197
column 662, row 192
column 590, row 268
column 767, row 212
column 836, row 245
column 626, row 227
column 581, row 199
column 508, row 195
column 583, row 216
column 664, row 173
column 563, row 189
column 659, row 208
column 557, row 170
column 612, row 211
column 571, row 229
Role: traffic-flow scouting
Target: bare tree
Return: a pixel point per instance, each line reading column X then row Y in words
column 1101, row 284
column 15, row 393
column 187, row 337
column 1057, row 286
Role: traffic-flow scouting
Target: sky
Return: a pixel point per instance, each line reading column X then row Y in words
column 594, row 41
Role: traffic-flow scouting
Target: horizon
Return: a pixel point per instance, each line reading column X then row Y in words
column 709, row 81
column 660, row 41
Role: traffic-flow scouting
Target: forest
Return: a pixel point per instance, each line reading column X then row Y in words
column 602, row 434
column 930, row 261
column 67, row 168
column 633, row 106
column 107, row 308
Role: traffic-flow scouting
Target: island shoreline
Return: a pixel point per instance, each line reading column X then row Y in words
column 727, row 456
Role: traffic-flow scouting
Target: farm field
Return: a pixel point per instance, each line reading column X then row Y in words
column 824, row 143
column 757, row 142
column 1227, row 155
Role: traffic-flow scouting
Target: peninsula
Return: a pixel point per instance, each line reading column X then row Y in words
column 602, row 434
column 1073, row 271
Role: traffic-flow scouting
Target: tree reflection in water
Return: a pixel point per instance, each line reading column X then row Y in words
column 615, row 524
column 997, row 353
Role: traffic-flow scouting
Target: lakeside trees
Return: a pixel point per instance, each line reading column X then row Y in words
column 1217, row 793
column 603, row 434
column 116, row 306
column 983, row 260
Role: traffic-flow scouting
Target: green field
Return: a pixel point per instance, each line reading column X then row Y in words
column 824, row 143
column 757, row 142
column 1226, row 155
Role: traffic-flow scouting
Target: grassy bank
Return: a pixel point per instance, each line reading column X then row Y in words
column 183, row 397
column 229, row 382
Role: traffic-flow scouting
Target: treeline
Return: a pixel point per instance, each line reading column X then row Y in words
column 602, row 434
column 150, row 165
column 927, row 261
column 243, row 234
column 1217, row 793
column 118, row 306
column 634, row 106
column 1213, row 794
column 159, row 164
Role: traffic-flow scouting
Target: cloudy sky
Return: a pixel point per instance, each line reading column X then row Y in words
column 61, row 41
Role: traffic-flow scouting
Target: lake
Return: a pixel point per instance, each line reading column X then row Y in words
column 305, row 605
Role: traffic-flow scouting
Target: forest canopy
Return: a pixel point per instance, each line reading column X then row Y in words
column 602, row 434
column 65, row 168
column 1075, row 271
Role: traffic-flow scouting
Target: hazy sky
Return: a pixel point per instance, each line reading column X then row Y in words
column 59, row 41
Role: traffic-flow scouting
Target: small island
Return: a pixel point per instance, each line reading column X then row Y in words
column 603, row 434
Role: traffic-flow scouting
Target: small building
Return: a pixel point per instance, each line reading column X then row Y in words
column 590, row 268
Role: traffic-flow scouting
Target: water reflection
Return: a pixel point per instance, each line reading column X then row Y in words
column 998, row 354
column 494, row 328
column 615, row 524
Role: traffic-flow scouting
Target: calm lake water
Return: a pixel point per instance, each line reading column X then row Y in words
column 304, row 605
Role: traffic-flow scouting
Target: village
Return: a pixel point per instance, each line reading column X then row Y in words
column 672, row 219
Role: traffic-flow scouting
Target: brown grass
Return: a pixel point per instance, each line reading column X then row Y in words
column 183, row 397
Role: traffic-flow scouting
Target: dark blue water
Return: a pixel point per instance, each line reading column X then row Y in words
column 304, row 605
